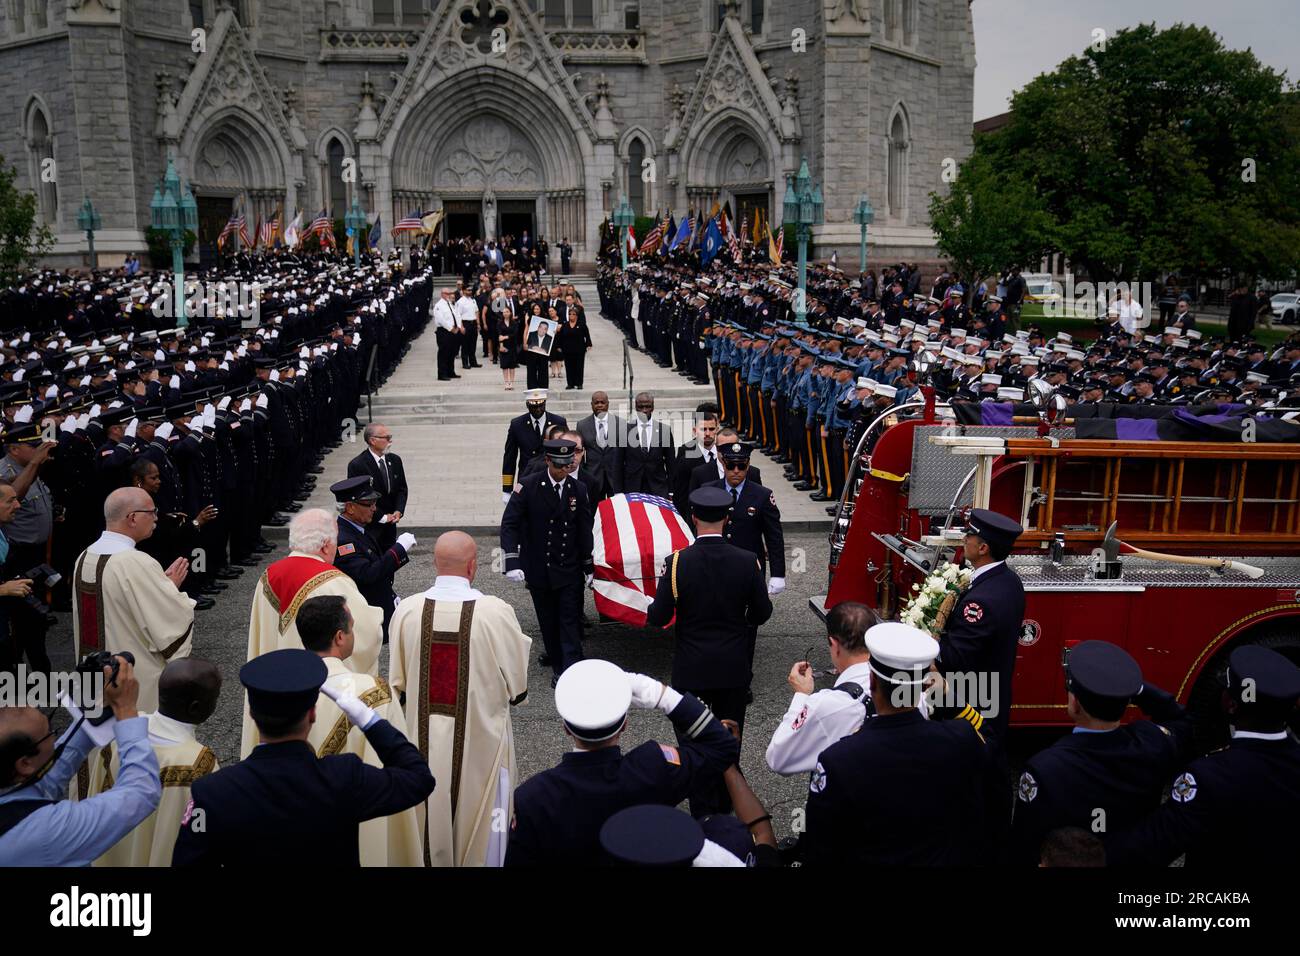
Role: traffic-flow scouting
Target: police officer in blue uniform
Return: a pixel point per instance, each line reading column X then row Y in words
column 546, row 537
column 716, row 591
column 1239, row 802
column 559, row 812
column 903, row 790
column 358, row 555
column 1104, row 777
column 524, row 439
column 983, row 630
column 283, row 803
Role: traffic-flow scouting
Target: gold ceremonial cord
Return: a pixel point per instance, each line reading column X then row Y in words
column 675, row 554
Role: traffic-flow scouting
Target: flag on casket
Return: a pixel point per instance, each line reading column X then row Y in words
column 633, row 537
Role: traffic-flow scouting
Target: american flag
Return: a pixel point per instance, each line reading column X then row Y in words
column 412, row 223
column 322, row 226
column 780, row 244
column 631, row 242
column 744, row 230
column 634, row 535
column 229, row 229
column 242, row 225
column 270, row 229
column 733, row 245
column 651, row 242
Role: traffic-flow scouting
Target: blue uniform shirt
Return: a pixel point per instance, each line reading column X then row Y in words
column 73, row 833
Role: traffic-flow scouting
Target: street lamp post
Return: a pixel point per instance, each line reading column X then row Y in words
column 624, row 218
column 89, row 221
column 173, row 211
column 356, row 221
column 863, row 214
column 803, row 206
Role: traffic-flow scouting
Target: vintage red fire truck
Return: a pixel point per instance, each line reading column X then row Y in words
column 1176, row 550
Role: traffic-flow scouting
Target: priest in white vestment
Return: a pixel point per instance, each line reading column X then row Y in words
column 187, row 696
column 325, row 626
column 307, row 572
column 461, row 660
column 122, row 600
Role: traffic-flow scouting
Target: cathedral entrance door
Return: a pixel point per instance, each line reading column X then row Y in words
column 515, row 217
column 214, row 213
column 464, row 219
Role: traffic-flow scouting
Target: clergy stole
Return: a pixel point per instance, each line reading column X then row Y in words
column 443, row 695
column 151, row 843
column 384, row 841
column 124, row 602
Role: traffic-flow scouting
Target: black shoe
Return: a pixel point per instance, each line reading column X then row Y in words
column 446, row 378
column 265, row 547
column 204, row 604
column 229, row 573
column 276, row 522
column 454, row 375
column 832, row 509
column 802, row 486
column 317, row 471
column 213, row 588
column 544, row 659
column 555, row 679
column 249, row 563
column 818, row 496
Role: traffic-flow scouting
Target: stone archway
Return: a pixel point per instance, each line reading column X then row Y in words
column 503, row 147
column 234, row 166
column 730, row 158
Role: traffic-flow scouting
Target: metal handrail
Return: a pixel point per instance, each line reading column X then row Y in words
column 627, row 373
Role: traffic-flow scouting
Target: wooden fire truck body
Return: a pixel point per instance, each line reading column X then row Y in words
column 1178, row 498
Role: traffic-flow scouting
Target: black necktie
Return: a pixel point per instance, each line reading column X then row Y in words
column 383, row 467
column 537, row 426
column 735, row 497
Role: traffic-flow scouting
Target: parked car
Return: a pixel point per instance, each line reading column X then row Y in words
column 1286, row 306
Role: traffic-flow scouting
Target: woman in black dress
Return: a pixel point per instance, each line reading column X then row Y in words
column 507, row 347
column 573, row 341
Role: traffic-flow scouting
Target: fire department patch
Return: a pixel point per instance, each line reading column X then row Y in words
column 818, row 782
column 573, row 504
column 1028, row 787
column 972, row 613
column 1184, row 789
column 1030, row 632
column 671, row 754
column 346, row 549
column 801, row 719
column 752, row 511
column 772, row 499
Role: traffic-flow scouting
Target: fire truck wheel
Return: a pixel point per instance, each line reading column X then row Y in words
column 1210, row 728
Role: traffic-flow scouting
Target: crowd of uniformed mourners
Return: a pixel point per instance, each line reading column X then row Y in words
column 100, row 392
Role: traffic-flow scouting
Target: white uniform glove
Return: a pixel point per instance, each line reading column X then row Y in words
column 69, row 425
column 406, row 540
column 224, row 403
column 516, row 575
column 589, row 578
column 350, row 704
column 163, row 431
column 505, row 497
column 246, row 405
column 174, row 382
column 262, row 401
column 130, row 429
column 776, row 585
column 646, row 691
column 95, row 410
column 189, row 366
column 275, row 375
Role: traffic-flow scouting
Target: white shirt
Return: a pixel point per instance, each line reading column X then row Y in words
column 466, row 311
column 979, row 571
column 443, row 316
column 110, row 542
column 166, row 731
column 813, row 722
column 451, row 587
column 1129, row 315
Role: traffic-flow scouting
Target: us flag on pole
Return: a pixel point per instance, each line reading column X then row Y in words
column 633, row 537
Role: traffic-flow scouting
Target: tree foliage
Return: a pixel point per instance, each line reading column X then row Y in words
column 22, row 239
column 1164, row 151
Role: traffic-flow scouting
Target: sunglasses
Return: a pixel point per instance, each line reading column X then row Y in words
column 736, row 466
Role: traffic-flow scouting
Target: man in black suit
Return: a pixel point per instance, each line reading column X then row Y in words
column 755, row 523
column 546, row 534
column 358, row 556
column 285, row 803
column 709, row 465
column 541, row 337
column 903, row 790
column 384, row 469
column 648, row 448
column 700, row 450
column 600, row 433
column 524, row 439
column 716, row 591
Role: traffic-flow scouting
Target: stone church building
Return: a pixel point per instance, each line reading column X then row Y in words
column 508, row 114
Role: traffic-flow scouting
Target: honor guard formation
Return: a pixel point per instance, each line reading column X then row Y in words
column 144, row 457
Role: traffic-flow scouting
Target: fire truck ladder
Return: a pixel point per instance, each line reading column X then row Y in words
column 1163, row 494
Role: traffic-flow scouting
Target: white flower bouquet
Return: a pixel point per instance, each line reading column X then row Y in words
column 933, row 599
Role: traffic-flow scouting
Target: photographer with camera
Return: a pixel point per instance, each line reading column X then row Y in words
column 37, row 826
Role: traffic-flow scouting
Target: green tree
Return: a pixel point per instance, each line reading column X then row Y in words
column 1164, row 151
column 22, row 239
column 988, row 222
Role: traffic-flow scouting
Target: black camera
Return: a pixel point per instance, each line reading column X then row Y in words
column 94, row 663
column 42, row 577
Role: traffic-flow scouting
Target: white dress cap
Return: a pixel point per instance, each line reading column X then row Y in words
column 593, row 696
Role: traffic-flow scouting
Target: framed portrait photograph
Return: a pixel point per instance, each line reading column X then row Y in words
column 541, row 335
